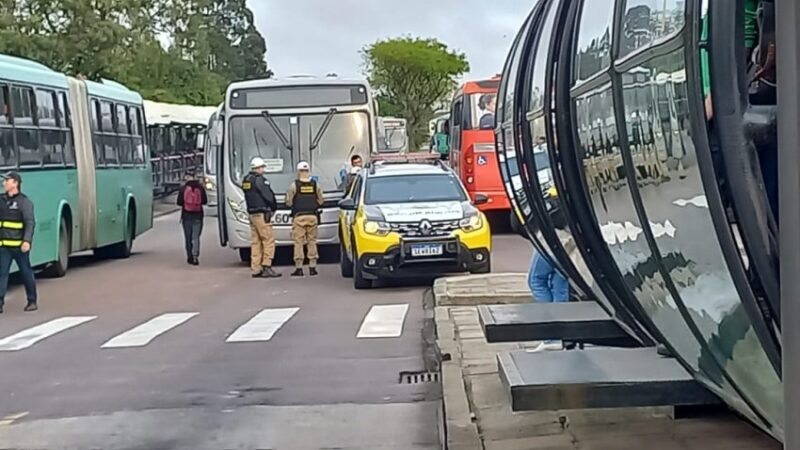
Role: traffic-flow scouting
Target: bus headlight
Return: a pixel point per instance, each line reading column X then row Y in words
column 239, row 212
column 471, row 223
column 376, row 228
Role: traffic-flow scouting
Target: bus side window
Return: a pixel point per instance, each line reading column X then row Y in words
column 124, row 148
column 65, row 122
column 8, row 156
column 109, row 138
column 455, row 124
column 97, row 133
column 52, row 137
column 136, row 135
column 23, row 108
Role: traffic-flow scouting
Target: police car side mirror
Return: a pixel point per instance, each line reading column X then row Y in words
column 347, row 204
column 480, row 199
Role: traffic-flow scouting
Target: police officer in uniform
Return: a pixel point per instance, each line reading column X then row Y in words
column 16, row 235
column 305, row 198
column 261, row 204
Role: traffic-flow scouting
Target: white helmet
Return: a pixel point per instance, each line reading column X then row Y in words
column 302, row 165
column 257, row 162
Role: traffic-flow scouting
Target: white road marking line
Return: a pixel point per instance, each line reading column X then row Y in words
column 263, row 325
column 31, row 336
column 11, row 418
column 383, row 321
column 146, row 332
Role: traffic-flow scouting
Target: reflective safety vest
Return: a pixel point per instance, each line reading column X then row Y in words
column 305, row 198
column 12, row 228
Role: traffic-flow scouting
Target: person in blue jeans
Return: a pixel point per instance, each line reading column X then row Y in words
column 547, row 286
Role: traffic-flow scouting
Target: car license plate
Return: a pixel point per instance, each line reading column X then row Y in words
column 282, row 218
column 427, row 250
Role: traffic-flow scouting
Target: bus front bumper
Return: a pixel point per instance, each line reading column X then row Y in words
column 327, row 234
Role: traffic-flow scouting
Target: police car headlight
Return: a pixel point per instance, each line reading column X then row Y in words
column 376, row 228
column 239, row 212
column 471, row 223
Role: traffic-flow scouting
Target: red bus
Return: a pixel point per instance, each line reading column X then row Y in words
column 472, row 151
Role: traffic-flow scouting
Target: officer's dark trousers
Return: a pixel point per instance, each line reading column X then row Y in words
column 192, row 229
column 23, row 260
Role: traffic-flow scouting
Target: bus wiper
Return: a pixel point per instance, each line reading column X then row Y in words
column 277, row 130
column 322, row 129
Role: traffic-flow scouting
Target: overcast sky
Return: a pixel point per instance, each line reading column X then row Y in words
column 317, row 37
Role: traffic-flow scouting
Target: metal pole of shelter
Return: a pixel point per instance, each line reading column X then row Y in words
column 788, row 62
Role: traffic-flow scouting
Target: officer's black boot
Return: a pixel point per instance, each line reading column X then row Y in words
column 297, row 272
column 269, row 273
column 313, row 271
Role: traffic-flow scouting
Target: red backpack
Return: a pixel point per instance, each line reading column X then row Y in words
column 192, row 199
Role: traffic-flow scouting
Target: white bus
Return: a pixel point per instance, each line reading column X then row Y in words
column 323, row 121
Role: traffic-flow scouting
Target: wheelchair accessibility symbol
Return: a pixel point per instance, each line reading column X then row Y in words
column 482, row 160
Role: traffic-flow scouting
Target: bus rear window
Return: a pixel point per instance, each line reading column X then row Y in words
column 299, row 97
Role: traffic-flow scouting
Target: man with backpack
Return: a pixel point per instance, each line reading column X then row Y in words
column 191, row 199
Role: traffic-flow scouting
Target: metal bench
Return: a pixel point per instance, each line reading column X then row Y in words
column 580, row 322
column 598, row 378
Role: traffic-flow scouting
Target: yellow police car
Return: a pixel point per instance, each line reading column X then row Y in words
column 410, row 219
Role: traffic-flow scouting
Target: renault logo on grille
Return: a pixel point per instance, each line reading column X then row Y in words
column 425, row 228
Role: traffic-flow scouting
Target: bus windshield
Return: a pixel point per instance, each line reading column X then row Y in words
column 251, row 136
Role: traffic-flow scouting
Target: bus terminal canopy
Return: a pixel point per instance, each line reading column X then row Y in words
column 172, row 114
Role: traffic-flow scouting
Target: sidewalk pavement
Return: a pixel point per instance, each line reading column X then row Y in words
column 478, row 412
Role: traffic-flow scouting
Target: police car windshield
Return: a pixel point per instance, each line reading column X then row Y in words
column 413, row 189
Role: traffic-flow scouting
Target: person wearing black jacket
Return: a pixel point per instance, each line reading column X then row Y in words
column 261, row 204
column 16, row 235
column 191, row 198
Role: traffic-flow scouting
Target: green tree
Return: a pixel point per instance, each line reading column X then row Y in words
column 411, row 77
column 212, row 43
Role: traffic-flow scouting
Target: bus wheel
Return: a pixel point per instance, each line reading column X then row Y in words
column 244, row 255
column 123, row 250
column 59, row 268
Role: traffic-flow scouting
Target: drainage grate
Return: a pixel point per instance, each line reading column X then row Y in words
column 419, row 377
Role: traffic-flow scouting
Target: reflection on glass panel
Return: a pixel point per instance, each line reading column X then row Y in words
column 672, row 192
column 540, row 58
column 515, row 176
column 647, row 21
column 507, row 101
column 615, row 214
column 594, row 38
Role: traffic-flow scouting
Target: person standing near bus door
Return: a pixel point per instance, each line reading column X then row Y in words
column 191, row 198
column 261, row 204
column 305, row 197
column 16, row 235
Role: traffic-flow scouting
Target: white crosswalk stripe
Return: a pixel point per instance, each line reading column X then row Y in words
column 29, row 337
column 146, row 332
column 383, row 321
column 263, row 325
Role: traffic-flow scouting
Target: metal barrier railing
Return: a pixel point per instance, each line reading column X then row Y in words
column 168, row 171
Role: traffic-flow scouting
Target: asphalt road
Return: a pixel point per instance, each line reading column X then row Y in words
column 314, row 379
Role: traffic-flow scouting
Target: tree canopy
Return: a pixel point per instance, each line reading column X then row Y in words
column 412, row 76
column 181, row 51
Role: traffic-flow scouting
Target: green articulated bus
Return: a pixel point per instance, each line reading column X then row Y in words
column 80, row 148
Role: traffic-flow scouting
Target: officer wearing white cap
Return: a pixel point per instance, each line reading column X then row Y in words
column 261, row 204
column 305, row 198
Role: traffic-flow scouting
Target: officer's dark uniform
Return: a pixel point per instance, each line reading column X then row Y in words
column 16, row 228
column 305, row 198
column 261, row 204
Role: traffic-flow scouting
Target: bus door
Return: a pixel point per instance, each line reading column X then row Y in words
column 456, row 119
